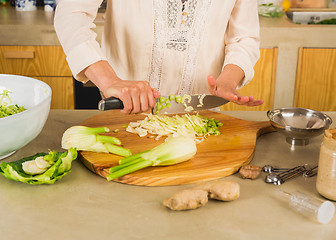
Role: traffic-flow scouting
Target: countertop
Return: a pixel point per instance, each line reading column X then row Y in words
column 83, row 205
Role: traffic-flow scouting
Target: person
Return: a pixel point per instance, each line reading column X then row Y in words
column 161, row 47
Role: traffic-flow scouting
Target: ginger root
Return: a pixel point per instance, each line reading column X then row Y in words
column 249, row 171
column 198, row 196
column 222, row 190
column 187, row 199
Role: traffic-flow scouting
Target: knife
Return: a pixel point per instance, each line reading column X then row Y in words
column 189, row 103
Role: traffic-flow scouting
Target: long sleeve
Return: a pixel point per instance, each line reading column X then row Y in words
column 242, row 40
column 74, row 26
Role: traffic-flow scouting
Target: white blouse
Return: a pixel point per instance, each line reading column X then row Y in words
column 174, row 44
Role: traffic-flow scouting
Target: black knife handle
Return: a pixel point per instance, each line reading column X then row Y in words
column 110, row 103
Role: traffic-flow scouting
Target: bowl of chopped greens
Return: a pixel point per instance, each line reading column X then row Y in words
column 24, row 109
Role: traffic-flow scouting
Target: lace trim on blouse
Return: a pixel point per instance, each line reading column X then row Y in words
column 177, row 30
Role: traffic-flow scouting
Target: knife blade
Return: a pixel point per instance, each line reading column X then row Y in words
column 189, row 103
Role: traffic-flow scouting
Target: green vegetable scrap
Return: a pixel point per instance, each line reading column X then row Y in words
column 55, row 166
column 88, row 139
column 5, row 109
column 173, row 151
column 270, row 10
column 163, row 102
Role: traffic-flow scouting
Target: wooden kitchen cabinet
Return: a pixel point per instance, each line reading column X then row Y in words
column 316, row 79
column 262, row 84
column 63, row 86
column 46, row 63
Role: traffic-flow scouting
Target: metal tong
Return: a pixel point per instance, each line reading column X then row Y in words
column 311, row 172
column 279, row 178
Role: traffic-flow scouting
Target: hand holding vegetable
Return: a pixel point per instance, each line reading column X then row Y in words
column 88, row 139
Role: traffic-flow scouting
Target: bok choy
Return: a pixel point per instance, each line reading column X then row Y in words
column 175, row 150
column 50, row 167
column 6, row 108
column 88, row 139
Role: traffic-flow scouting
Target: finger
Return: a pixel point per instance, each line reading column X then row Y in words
column 243, row 99
column 212, row 85
column 231, row 97
column 156, row 93
column 136, row 101
column 151, row 99
column 127, row 101
column 144, row 95
column 256, row 103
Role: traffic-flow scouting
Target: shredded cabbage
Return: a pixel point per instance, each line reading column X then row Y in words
column 185, row 125
column 6, row 109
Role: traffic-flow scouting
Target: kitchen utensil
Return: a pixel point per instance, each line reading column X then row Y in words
column 269, row 169
column 310, row 206
column 216, row 157
column 194, row 103
column 280, row 178
column 311, row 172
column 298, row 125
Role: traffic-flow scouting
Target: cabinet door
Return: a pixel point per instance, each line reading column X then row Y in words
column 33, row 61
column 316, row 79
column 262, row 84
column 62, row 91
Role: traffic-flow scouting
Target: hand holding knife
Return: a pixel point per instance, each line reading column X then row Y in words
column 196, row 102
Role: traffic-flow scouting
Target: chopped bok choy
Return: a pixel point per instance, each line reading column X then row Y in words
column 173, row 151
column 186, row 125
column 5, row 108
column 88, row 139
column 41, row 168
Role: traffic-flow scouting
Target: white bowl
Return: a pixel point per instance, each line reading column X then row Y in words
column 19, row 129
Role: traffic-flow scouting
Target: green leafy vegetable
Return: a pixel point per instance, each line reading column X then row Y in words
column 60, row 165
column 88, row 139
column 173, row 151
column 326, row 21
column 6, row 109
column 270, row 10
column 163, row 102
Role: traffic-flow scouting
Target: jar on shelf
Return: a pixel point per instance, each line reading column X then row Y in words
column 326, row 175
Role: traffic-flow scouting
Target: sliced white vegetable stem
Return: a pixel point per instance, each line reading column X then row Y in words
column 88, row 139
column 132, row 168
column 131, row 158
column 108, row 139
column 173, row 151
column 118, row 150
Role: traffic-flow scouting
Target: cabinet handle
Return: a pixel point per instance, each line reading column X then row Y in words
column 19, row 54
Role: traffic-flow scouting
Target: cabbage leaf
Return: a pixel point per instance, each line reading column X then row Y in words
column 60, row 166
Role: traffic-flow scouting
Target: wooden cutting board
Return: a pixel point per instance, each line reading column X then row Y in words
column 216, row 157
